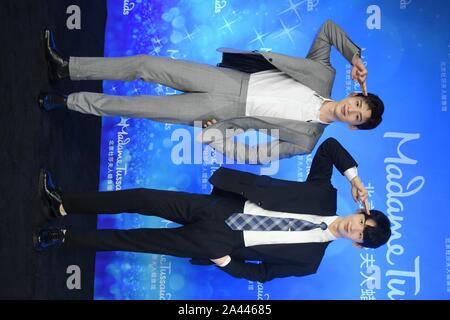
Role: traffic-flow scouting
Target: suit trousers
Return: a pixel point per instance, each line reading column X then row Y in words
column 209, row 92
column 204, row 233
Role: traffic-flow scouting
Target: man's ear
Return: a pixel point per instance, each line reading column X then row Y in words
column 357, row 245
column 351, row 127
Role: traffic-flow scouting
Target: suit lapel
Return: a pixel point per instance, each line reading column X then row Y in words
column 297, row 132
column 298, row 253
column 312, row 74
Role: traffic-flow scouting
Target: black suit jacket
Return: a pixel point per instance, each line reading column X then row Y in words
column 314, row 196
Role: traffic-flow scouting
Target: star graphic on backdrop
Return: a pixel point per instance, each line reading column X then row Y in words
column 228, row 24
column 157, row 41
column 156, row 50
column 287, row 31
column 259, row 37
column 189, row 35
column 293, row 7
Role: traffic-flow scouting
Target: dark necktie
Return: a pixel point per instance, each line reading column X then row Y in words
column 243, row 221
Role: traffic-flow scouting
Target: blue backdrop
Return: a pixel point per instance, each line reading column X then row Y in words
column 402, row 162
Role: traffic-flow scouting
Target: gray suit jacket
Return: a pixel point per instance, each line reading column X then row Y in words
column 295, row 137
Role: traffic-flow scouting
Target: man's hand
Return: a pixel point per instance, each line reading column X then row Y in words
column 220, row 261
column 208, row 123
column 359, row 193
column 359, row 73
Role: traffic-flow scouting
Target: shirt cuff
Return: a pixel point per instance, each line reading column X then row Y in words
column 225, row 263
column 351, row 173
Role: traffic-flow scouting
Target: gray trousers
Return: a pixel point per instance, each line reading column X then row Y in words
column 209, row 92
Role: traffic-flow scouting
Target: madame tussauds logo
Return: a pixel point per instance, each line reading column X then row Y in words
column 127, row 7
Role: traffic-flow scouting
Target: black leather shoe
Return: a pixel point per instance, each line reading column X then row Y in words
column 48, row 238
column 49, row 194
column 58, row 66
column 52, row 101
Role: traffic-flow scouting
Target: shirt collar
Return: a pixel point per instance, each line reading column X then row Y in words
column 318, row 109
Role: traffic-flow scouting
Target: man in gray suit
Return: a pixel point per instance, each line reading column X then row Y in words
column 246, row 91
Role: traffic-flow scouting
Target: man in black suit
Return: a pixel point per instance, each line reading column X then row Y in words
column 207, row 233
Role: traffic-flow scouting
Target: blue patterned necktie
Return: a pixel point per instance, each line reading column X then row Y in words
column 243, row 221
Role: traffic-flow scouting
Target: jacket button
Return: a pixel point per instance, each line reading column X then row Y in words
column 259, row 203
column 270, row 59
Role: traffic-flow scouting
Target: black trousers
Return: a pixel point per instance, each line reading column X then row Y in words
column 204, row 233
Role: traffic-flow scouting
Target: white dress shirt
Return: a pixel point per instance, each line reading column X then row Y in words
column 256, row 238
column 273, row 93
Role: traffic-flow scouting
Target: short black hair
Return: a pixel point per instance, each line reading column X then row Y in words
column 375, row 105
column 375, row 237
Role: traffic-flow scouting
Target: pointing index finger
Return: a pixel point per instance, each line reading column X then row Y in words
column 367, row 206
column 364, row 88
